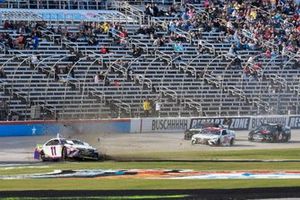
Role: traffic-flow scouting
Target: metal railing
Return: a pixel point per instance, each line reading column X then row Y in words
column 193, row 104
column 129, row 10
column 71, row 45
column 57, row 4
column 164, row 91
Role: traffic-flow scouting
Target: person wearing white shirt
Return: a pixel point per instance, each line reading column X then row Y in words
column 96, row 78
column 157, row 108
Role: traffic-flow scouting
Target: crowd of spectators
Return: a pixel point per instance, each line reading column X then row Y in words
column 272, row 26
column 269, row 25
column 24, row 35
column 255, row 24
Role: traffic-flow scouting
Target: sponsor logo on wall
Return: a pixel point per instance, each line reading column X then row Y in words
column 294, row 122
column 235, row 123
column 169, row 124
column 257, row 121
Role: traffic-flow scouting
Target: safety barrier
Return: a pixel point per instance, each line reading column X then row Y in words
column 32, row 128
column 139, row 125
column 158, row 125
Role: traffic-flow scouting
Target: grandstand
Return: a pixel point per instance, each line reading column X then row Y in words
column 232, row 71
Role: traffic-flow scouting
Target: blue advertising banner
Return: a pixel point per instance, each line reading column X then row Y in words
column 294, row 122
column 32, row 128
column 28, row 129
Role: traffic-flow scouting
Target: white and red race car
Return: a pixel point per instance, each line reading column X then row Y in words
column 214, row 136
column 62, row 149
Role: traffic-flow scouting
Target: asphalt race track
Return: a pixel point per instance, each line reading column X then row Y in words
column 20, row 149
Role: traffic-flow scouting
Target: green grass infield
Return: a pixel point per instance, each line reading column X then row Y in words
column 126, row 183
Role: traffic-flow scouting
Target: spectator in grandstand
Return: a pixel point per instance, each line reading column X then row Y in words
column 102, row 75
column 148, row 10
column 296, row 64
column 143, row 30
column 34, row 60
column 246, row 73
column 235, row 63
column 20, row 41
column 91, row 41
column 105, row 27
column 106, row 80
column 137, row 51
column 56, row 71
column 178, row 48
column 69, row 70
column 159, row 41
column 172, row 10
column 73, row 37
column 4, row 110
column 104, row 50
column 147, row 107
column 59, row 30
column 117, row 83
column 123, row 37
column 152, row 10
column 202, row 49
column 7, row 25
column 8, row 41
column 35, row 41
column 97, row 78
column 2, row 73
column 129, row 72
column 250, row 61
column 157, row 107
column 232, row 53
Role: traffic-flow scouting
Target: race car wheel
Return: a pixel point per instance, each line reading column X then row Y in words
column 231, row 142
column 42, row 156
column 274, row 139
column 194, row 142
column 97, row 157
column 285, row 138
column 219, row 142
column 64, row 153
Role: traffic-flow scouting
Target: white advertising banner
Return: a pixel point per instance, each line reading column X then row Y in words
column 175, row 124
column 159, row 125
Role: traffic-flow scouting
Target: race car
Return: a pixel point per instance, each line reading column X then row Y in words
column 268, row 132
column 62, row 149
column 214, row 136
column 192, row 131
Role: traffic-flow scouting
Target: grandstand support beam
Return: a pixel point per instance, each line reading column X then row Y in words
column 71, row 80
column 49, row 71
column 168, row 59
column 84, row 86
column 274, row 78
column 14, row 78
column 221, row 79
